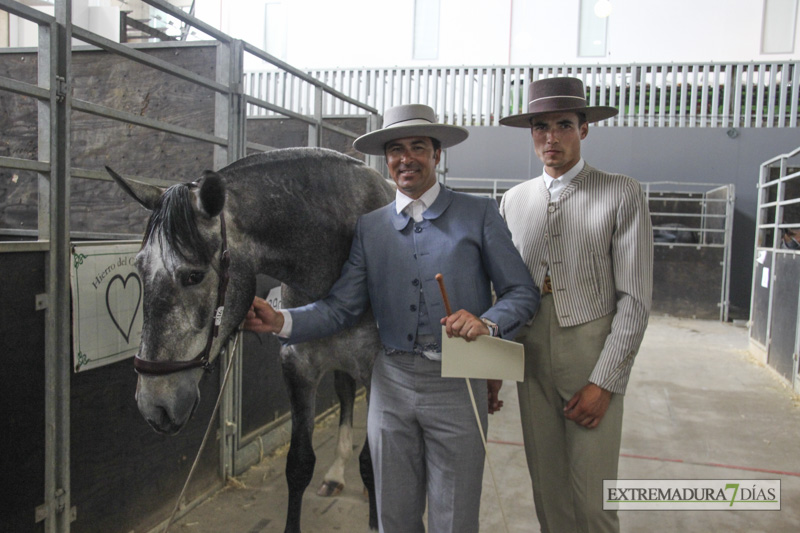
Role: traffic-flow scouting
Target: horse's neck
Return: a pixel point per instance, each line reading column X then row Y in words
column 290, row 241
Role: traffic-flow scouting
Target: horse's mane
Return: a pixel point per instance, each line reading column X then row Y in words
column 173, row 221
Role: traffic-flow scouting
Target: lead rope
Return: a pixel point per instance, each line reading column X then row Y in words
column 440, row 280
column 208, row 432
column 486, row 448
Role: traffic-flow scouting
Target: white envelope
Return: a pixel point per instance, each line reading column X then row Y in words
column 485, row 358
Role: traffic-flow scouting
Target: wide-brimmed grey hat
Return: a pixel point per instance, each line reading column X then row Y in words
column 410, row 120
column 558, row 95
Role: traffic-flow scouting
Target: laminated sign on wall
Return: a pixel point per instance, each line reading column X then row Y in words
column 106, row 304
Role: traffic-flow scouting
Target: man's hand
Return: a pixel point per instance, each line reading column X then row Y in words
column 464, row 324
column 588, row 406
column 495, row 403
column 262, row 318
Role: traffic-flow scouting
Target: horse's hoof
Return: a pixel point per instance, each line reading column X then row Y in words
column 328, row 489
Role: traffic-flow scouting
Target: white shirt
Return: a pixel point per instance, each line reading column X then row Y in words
column 413, row 207
column 557, row 185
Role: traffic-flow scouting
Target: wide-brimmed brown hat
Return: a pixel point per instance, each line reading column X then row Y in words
column 410, row 120
column 558, row 95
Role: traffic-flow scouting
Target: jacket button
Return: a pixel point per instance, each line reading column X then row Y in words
column 418, row 229
column 413, row 307
column 551, row 208
column 410, row 337
column 415, row 282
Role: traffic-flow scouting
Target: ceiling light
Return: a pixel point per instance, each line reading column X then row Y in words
column 603, row 8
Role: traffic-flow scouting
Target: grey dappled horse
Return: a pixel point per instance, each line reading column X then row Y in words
column 289, row 214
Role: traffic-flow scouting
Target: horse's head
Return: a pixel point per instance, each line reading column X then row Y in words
column 182, row 268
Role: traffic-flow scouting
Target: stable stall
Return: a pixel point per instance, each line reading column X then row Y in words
column 692, row 232
column 161, row 113
column 775, row 301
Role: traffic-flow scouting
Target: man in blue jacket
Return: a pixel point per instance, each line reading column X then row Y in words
column 424, row 441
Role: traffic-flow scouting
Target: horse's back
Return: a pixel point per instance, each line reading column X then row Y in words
column 327, row 168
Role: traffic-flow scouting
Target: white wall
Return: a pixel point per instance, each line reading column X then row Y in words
column 100, row 19
column 686, row 31
column 379, row 33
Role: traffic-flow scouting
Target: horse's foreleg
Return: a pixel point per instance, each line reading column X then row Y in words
column 301, row 458
column 333, row 482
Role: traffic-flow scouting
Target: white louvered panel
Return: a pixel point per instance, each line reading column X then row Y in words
column 759, row 118
column 782, row 94
column 641, row 77
column 693, row 110
column 795, row 71
column 771, row 94
column 737, row 104
column 451, row 96
column 748, row 103
column 673, row 95
column 664, row 71
column 727, row 77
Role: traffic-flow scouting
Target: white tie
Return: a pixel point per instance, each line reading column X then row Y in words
column 415, row 210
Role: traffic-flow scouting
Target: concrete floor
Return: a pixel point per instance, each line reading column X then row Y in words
column 698, row 407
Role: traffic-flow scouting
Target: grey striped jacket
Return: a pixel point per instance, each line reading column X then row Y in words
column 597, row 242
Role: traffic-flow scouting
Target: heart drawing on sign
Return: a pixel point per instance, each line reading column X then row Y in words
column 119, row 297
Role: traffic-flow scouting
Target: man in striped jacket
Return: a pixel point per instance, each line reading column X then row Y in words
column 586, row 238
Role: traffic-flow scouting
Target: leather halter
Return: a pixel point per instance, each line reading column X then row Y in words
column 202, row 360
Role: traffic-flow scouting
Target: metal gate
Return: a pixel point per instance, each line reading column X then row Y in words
column 775, row 300
column 692, row 229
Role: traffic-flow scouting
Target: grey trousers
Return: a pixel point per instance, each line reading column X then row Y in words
column 567, row 462
column 425, row 444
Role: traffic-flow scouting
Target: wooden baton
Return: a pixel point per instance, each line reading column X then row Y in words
column 440, row 280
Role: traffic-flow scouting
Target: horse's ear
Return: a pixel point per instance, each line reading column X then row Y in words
column 144, row 193
column 212, row 193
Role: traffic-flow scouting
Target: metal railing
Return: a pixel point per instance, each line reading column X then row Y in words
column 653, row 95
column 778, row 200
column 53, row 94
column 684, row 215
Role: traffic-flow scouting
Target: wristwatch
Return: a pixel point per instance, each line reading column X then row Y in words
column 494, row 330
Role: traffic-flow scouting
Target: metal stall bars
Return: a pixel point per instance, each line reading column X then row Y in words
column 726, row 95
column 52, row 166
column 775, row 298
column 246, row 436
column 488, row 187
column 53, row 93
column 692, row 230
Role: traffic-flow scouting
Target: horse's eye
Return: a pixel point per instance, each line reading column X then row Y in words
column 192, row 278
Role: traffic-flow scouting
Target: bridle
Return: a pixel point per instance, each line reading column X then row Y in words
column 203, row 359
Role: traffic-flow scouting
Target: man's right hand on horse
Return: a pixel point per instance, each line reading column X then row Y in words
column 262, row 318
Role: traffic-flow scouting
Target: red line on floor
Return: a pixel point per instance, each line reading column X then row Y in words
column 665, row 460
column 714, row 465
